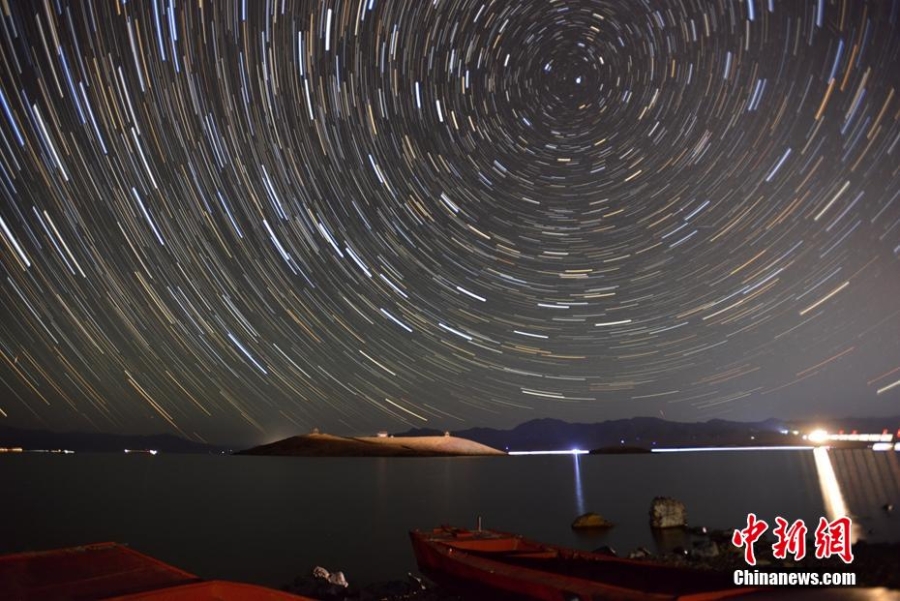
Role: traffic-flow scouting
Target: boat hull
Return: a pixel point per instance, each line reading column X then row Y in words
column 114, row 572
column 531, row 570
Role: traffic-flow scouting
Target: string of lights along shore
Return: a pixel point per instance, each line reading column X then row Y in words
column 243, row 219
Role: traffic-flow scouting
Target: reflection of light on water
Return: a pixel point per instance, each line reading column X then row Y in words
column 579, row 492
column 716, row 449
column 572, row 452
column 835, row 506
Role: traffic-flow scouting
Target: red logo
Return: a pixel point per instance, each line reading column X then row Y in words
column 790, row 539
column 832, row 538
column 748, row 536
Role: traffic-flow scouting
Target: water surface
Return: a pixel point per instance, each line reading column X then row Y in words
column 268, row 519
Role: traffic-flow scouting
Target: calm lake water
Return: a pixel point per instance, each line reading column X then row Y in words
column 268, row 519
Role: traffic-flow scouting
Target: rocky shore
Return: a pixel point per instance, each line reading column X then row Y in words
column 412, row 589
column 875, row 565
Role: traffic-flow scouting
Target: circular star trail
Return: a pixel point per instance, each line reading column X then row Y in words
column 241, row 219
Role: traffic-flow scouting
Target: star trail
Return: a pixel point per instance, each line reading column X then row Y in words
column 236, row 220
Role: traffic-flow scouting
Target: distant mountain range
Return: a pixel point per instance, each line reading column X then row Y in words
column 91, row 442
column 535, row 435
column 651, row 432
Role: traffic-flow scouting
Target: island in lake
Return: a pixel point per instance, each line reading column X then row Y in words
column 328, row 445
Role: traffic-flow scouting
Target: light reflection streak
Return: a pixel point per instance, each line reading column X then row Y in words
column 572, row 452
column 693, row 449
column 579, row 491
column 835, row 506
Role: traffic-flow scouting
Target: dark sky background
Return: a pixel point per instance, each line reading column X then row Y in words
column 239, row 220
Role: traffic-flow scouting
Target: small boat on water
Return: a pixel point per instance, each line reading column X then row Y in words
column 115, row 572
column 527, row 569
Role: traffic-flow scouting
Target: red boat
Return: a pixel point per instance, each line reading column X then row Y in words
column 115, row 572
column 532, row 570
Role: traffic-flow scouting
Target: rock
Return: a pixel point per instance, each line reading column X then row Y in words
column 318, row 587
column 721, row 536
column 666, row 512
column 705, row 549
column 640, row 553
column 416, row 582
column 606, row 550
column 732, row 549
column 390, row 590
column 699, row 531
column 334, row 578
column 591, row 520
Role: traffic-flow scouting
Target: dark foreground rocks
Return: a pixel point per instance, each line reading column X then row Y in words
column 414, row 588
column 875, row 565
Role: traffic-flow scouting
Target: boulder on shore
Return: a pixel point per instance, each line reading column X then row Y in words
column 335, row 578
column 666, row 512
column 706, row 549
column 591, row 520
column 640, row 553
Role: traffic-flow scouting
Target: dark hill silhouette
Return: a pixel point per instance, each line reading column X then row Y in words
column 652, row 432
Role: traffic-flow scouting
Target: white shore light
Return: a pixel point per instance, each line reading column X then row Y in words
column 571, row 452
column 818, row 437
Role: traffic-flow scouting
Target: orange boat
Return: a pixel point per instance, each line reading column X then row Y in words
column 115, row 572
column 532, row 570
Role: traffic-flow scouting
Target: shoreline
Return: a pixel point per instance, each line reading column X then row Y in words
column 876, row 565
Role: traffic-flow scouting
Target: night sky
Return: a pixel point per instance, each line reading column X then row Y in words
column 239, row 220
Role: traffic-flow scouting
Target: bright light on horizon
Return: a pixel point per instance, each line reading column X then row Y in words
column 818, row 436
column 696, row 449
column 570, row 452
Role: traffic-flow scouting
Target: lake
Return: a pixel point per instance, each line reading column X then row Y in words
column 269, row 519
